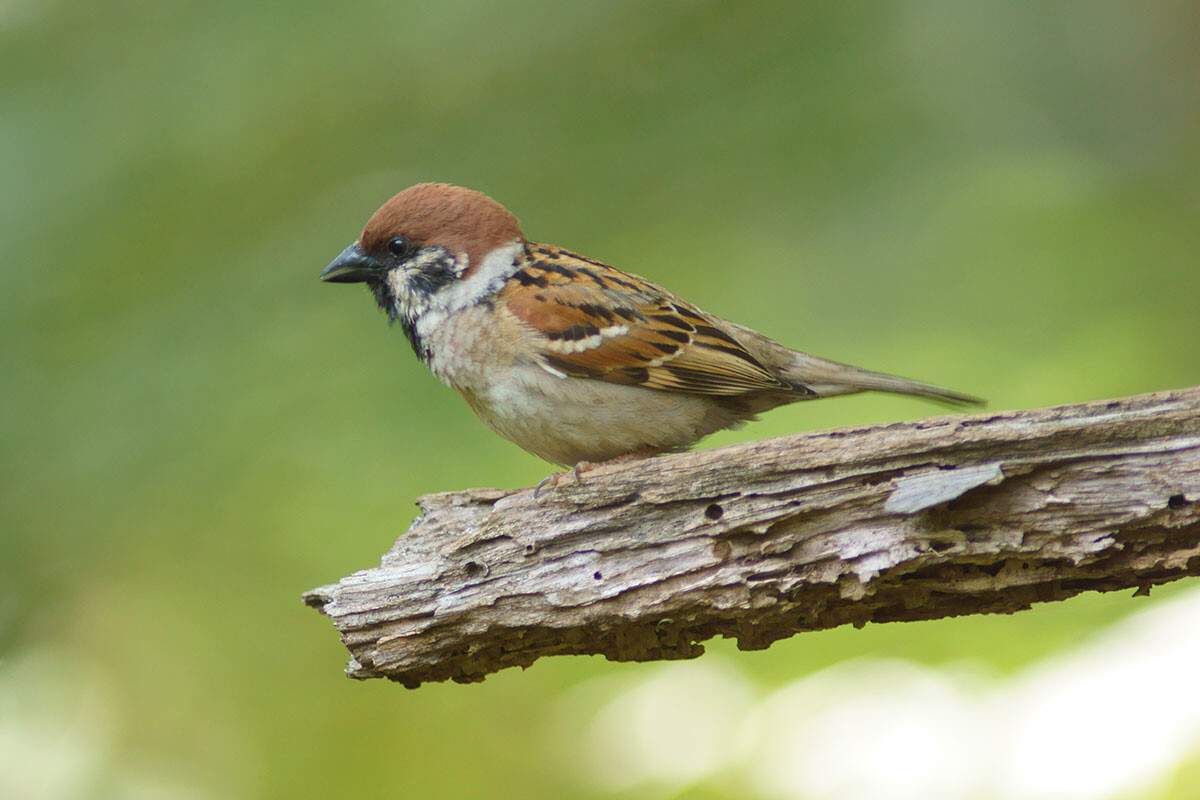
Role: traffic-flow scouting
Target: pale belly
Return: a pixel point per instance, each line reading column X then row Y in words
column 563, row 420
column 568, row 420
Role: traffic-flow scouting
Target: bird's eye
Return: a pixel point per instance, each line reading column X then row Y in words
column 400, row 247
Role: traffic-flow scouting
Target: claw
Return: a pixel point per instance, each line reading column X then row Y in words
column 554, row 477
column 587, row 466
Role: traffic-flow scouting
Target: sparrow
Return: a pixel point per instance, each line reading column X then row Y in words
column 572, row 359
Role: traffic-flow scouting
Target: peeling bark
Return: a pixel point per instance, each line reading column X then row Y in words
column 987, row 513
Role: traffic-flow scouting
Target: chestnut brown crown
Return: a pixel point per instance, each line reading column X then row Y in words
column 463, row 221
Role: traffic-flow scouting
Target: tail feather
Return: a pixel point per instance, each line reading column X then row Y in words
column 830, row 378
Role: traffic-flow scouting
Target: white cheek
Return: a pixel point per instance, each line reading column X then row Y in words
column 397, row 283
column 496, row 267
column 408, row 303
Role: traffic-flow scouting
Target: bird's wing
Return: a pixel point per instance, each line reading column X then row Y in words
column 591, row 320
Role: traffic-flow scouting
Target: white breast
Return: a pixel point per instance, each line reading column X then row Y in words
column 561, row 419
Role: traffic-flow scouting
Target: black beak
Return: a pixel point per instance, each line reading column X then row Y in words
column 352, row 266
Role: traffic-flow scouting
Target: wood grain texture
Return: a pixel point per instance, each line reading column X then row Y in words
column 984, row 513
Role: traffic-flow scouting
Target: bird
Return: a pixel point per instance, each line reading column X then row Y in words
column 574, row 360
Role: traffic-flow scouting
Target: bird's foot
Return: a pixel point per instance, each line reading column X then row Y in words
column 587, row 466
column 553, row 478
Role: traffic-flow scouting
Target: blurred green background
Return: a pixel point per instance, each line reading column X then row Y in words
column 1001, row 197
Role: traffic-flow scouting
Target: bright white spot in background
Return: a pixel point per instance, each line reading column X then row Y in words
column 1112, row 717
column 58, row 726
column 671, row 729
column 863, row 731
column 1108, row 720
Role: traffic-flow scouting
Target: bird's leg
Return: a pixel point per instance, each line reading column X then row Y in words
column 587, row 466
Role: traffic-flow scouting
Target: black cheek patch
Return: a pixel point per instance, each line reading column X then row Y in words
column 432, row 279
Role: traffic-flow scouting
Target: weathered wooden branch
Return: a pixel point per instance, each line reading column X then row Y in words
column 952, row 515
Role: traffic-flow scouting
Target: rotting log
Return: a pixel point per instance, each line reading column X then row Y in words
column 952, row 515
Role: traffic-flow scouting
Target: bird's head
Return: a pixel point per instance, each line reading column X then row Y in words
column 433, row 246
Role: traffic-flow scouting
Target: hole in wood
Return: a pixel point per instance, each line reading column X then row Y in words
column 1176, row 501
column 714, row 511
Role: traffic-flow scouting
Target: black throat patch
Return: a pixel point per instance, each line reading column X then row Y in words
column 390, row 305
column 423, row 283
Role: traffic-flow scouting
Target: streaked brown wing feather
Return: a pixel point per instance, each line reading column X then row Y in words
column 594, row 321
